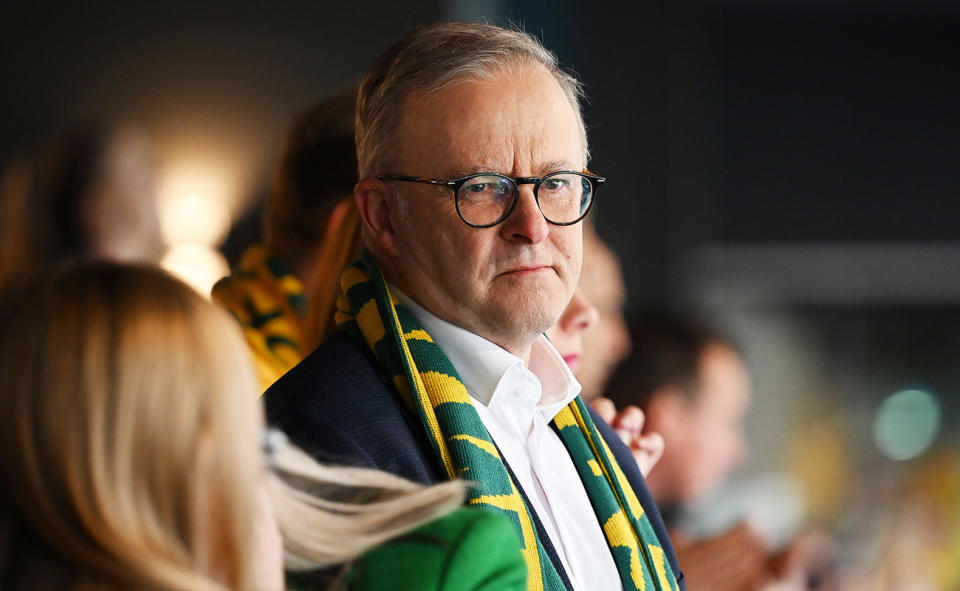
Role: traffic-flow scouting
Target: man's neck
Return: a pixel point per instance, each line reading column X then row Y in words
column 523, row 352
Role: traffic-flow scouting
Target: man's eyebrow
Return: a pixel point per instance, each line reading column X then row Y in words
column 462, row 172
column 546, row 168
column 555, row 165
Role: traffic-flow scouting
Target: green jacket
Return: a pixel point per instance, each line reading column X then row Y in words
column 467, row 550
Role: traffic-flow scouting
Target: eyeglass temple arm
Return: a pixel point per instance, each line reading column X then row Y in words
column 413, row 179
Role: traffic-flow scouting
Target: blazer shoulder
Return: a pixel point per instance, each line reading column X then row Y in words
column 468, row 549
column 338, row 406
column 327, row 380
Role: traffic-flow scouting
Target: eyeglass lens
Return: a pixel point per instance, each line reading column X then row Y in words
column 486, row 199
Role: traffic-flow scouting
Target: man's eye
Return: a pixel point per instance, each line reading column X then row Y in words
column 489, row 187
column 554, row 184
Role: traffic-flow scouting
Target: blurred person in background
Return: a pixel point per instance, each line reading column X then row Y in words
column 131, row 459
column 90, row 194
column 694, row 389
column 607, row 343
column 568, row 335
column 592, row 338
column 284, row 291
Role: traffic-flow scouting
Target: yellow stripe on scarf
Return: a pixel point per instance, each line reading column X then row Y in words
column 423, row 395
column 513, row 502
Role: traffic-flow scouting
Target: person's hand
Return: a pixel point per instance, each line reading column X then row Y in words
column 810, row 558
column 628, row 424
column 735, row 560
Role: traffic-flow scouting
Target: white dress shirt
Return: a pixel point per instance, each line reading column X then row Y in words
column 516, row 405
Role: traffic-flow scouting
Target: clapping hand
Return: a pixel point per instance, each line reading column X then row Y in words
column 628, row 424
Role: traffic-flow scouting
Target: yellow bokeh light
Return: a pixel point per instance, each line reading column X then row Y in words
column 194, row 204
column 198, row 265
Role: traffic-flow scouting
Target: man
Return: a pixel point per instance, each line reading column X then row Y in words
column 694, row 390
column 472, row 161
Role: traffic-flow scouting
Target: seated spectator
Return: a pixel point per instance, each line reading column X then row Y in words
column 284, row 291
column 472, row 156
column 694, row 390
column 607, row 343
column 579, row 318
column 90, row 194
column 131, row 459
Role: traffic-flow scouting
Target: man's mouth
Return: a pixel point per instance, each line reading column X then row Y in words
column 525, row 270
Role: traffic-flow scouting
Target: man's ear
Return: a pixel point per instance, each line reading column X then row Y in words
column 666, row 412
column 374, row 205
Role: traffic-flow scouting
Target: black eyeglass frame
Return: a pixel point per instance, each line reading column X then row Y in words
column 456, row 184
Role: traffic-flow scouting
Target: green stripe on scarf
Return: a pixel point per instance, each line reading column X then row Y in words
column 428, row 382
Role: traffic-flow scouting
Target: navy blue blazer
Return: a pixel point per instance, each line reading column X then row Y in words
column 337, row 405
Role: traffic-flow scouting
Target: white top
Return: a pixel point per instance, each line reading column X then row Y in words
column 516, row 405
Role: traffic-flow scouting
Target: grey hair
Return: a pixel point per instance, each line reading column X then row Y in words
column 432, row 58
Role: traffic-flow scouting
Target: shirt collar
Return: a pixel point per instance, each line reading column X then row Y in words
column 482, row 365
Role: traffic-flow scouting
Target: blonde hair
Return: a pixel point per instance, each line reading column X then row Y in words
column 126, row 445
column 434, row 57
column 332, row 515
column 131, row 445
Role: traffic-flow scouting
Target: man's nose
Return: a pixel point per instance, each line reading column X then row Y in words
column 526, row 222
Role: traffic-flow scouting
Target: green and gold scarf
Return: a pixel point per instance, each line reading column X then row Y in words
column 268, row 301
column 428, row 382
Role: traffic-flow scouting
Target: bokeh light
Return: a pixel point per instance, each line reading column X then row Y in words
column 200, row 266
column 906, row 424
column 194, row 205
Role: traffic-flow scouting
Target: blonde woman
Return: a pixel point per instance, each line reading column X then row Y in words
column 131, row 457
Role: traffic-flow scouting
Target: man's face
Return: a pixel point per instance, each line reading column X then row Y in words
column 508, row 283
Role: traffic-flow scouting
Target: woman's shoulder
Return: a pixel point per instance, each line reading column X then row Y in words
column 465, row 524
column 467, row 549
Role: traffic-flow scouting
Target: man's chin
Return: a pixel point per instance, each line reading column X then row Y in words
column 526, row 317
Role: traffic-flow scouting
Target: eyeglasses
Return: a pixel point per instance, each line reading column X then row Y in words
column 485, row 199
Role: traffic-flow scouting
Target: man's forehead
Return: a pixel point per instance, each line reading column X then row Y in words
column 513, row 119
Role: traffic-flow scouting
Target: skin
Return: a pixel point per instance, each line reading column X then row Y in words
column 508, row 283
column 704, row 443
column 120, row 211
column 567, row 335
column 647, row 448
column 607, row 343
column 704, row 433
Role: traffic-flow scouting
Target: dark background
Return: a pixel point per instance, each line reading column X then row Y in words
column 787, row 121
